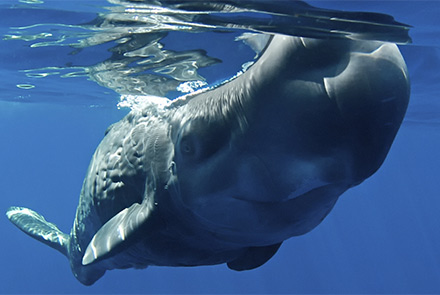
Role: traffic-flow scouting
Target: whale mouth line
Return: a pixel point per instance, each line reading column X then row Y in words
column 290, row 197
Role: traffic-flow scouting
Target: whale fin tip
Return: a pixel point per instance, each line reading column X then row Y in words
column 34, row 225
column 117, row 233
column 254, row 257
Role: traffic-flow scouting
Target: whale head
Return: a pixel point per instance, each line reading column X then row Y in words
column 265, row 156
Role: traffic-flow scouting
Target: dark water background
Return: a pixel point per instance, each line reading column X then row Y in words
column 382, row 237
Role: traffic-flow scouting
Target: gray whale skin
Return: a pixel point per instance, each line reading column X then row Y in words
column 227, row 174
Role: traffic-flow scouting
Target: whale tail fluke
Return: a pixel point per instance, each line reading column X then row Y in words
column 34, row 225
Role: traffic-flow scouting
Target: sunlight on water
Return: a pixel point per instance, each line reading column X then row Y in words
column 56, row 34
column 152, row 48
column 32, row 1
column 25, row 86
column 142, row 57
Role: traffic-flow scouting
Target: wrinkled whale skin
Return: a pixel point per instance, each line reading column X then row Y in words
column 227, row 174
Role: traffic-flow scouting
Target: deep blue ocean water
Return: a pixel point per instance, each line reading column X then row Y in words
column 382, row 236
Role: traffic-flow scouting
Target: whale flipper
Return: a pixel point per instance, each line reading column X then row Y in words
column 117, row 233
column 34, row 225
column 254, row 257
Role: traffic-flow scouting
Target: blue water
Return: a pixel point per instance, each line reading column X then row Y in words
column 382, row 236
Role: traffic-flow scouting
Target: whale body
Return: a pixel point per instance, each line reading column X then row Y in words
column 227, row 174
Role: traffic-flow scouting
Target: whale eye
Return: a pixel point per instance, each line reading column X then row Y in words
column 199, row 141
column 187, row 146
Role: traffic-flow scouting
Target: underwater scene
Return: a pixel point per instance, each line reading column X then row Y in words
column 230, row 146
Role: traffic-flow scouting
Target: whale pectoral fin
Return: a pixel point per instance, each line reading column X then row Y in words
column 34, row 225
column 254, row 257
column 117, row 233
